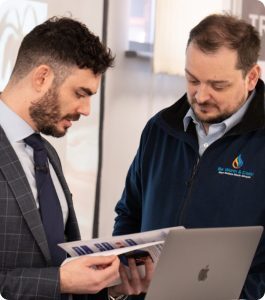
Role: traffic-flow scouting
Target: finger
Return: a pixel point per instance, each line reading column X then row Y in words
column 126, row 287
column 123, row 273
column 99, row 260
column 115, row 261
column 133, row 269
column 110, row 272
column 135, row 281
column 149, row 269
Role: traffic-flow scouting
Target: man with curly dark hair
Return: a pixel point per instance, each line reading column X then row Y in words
column 58, row 68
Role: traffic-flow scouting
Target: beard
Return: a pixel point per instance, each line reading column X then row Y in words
column 46, row 113
column 219, row 117
column 214, row 119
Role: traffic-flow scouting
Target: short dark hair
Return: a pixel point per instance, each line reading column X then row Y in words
column 226, row 30
column 62, row 42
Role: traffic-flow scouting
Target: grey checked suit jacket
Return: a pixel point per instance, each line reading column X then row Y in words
column 26, row 271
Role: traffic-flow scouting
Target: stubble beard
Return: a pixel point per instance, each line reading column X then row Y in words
column 217, row 118
column 45, row 113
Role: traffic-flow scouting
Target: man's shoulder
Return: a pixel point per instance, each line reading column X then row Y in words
column 167, row 121
column 172, row 116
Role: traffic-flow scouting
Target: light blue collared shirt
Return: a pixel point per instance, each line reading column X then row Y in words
column 16, row 129
column 217, row 130
column 19, row 129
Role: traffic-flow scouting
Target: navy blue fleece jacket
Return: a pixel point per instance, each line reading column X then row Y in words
column 169, row 184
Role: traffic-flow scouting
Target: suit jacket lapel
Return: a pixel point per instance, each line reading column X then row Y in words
column 14, row 174
column 72, row 229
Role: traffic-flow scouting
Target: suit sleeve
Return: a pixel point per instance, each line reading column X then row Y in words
column 30, row 283
column 38, row 283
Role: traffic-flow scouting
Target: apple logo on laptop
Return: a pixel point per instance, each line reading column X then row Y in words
column 202, row 276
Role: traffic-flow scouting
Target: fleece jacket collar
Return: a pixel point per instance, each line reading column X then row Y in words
column 254, row 118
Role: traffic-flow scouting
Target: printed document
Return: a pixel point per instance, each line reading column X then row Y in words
column 136, row 245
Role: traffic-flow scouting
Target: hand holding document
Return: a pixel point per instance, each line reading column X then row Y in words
column 137, row 246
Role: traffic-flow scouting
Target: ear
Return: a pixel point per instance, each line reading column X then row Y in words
column 42, row 77
column 253, row 76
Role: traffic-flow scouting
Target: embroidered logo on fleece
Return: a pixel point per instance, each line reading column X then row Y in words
column 238, row 162
column 236, row 170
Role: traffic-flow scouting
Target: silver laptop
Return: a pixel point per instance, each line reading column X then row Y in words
column 204, row 264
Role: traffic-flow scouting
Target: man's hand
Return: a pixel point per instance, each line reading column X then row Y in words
column 133, row 285
column 88, row 274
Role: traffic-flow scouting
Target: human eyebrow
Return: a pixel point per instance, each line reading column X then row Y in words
column 219, row 85
column 86, row 91
column 190, row 74
column 219, row 82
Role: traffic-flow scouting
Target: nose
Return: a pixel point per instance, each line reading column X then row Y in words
column 84, row 107
column 202, row 94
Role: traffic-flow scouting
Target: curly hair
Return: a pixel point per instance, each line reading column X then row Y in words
column 225, row 30
column 59, row 43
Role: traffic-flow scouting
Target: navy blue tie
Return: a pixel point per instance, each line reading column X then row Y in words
column 50, row 208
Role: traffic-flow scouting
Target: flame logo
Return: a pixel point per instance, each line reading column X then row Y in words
column 237, row 162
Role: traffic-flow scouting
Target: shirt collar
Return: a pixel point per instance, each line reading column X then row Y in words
column 16, row 129
column 228, row 123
